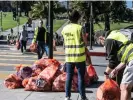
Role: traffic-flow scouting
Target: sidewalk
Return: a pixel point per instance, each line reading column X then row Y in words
column 20, row 94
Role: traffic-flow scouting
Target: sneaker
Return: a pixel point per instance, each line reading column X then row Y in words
column 67, row 98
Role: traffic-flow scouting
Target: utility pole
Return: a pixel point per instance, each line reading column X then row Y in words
column 91, row 23
column 18, row 20
column 1, row 20
column 50, row 21
column 67, row 8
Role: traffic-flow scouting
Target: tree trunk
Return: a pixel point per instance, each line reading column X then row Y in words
column 107, row 22
column 20, row 13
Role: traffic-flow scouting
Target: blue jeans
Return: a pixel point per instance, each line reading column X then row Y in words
column 46, row 48
column 81, row 67
column 40, row 49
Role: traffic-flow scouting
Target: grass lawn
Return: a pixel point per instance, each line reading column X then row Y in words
column 8, row 22
column 112, row 26
column 57, row 24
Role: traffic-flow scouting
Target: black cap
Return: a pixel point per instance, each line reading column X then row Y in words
column 74, row 17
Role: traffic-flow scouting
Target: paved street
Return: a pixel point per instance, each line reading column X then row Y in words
column 10, row 57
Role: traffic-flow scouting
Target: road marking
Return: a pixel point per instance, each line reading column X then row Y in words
column 5, row 64
column 58, row 52
column 19, row 56
column 27, row 60
column 3, row 53
column 4, row 75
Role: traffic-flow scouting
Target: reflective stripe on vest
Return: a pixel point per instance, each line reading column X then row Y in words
column 74, row 46
column 125, row 52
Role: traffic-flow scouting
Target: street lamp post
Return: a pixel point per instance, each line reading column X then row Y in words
column 91, row 23
column 18, row 20
column 1, row 20
column 50, row 24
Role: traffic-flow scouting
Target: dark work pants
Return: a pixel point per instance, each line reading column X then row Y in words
column 23, row 44
column 40, row 49
column 81, row 67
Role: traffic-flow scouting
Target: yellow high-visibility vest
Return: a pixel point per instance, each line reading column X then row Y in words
column 35, row 35
column 74, row 45
column 125, row 54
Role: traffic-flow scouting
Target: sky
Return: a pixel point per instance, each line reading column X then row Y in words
column 129, row 4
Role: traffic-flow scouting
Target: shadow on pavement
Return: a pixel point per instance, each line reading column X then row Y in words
column 30, row 53
column 95, row 85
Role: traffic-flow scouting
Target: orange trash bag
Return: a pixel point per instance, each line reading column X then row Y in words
column 25, row 82
column 17, row 45
column 92, row 74
column 49, row 72
column 33, row 47
column 32, row 85
column 109, row 90
column 13, row 82
column 59, row 83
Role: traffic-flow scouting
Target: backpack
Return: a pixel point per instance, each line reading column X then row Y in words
column 128, row 33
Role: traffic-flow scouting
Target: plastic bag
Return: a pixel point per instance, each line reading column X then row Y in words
column 17, row 45
column 25, row 82
column 92, row 74
column 109, row 90
column 59, row 83
column 23, row 71
column 33, row 47
column 49, row 72
column 12, row 82
column 37, row 69
column 35, row 85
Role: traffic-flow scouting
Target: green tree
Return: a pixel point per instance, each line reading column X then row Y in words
column 118, row 10
column 40, row 9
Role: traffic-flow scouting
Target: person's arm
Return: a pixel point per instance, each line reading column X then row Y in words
column 86, row 44
column 35, row 35
column 84, row 37
column 111, row 51
column 116, row 70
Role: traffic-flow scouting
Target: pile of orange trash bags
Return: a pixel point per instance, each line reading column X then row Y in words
column 46, row 75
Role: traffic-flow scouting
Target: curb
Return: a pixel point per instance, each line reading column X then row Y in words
column 97, row 54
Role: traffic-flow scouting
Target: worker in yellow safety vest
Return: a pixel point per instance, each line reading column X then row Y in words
column 119, row 49
column 75, row 43
column 40, row 37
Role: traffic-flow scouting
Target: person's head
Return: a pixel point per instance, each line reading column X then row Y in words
column 100, row 36
column 74, row 16
column 29, row 20
column 40, row 23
